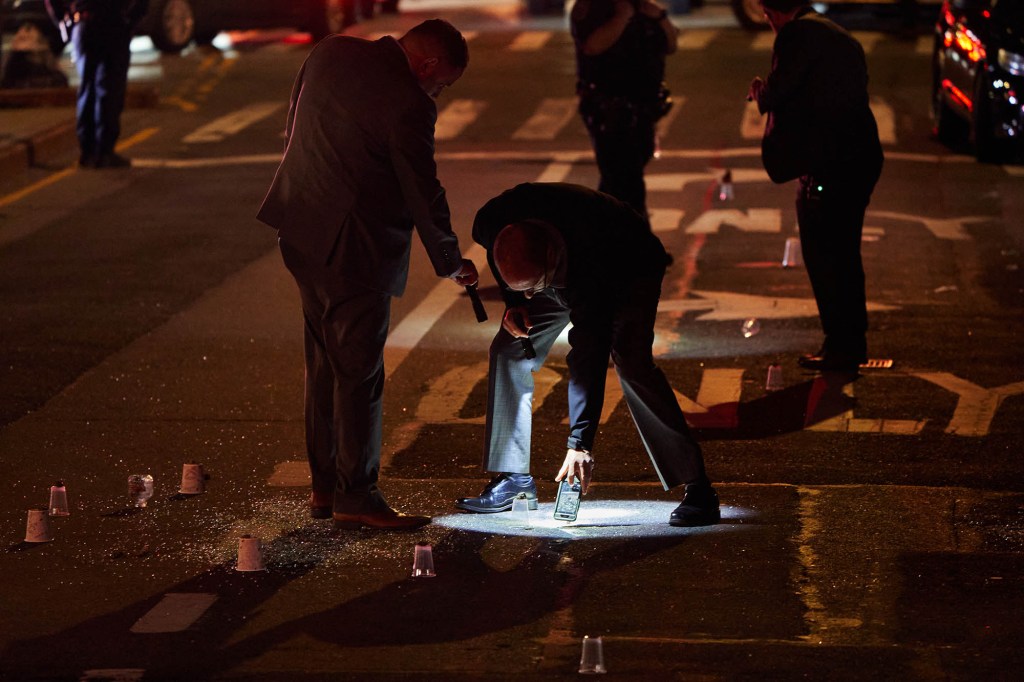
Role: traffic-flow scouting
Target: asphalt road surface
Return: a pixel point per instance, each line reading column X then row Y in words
column 873, row 529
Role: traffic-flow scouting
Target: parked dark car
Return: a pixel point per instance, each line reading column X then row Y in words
column 173, row 24
column 978, row 76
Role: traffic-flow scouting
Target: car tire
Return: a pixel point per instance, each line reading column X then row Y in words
column 175, row 25
column 986, row 147
column 749, row 14
column 330, row 16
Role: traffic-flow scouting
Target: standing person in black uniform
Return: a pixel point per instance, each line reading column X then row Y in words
column 563, row 254
column 821, row 130
column 621, row 47
column 101, row 36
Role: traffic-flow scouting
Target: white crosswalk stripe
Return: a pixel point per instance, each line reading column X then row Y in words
column 225, row 126
column 529, row 41
column 666, row 219
column 752, row 122
column 696, row 39
column 885, row 116
column 763, row 41
column 455, row 117
column 548, row 120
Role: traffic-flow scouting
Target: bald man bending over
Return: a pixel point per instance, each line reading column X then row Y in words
column 563, row 253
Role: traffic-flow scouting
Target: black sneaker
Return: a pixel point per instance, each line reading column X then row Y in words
column 498, row 496
column 698, row 508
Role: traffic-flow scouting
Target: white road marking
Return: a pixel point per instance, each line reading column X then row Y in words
column 666, row 219
column 529, row 41
column 726, row 305
column 175, row 612
column 753, row 220
column 942, row 228
column 548, row 120
column 556, row 171
column 763, row 41
column 414, row 326
column 823, row 399
column 885, row 117
column 975, row 406
column 665, row 124
column 753, row 122
column 455, row 117
column 225, row 126
column 695, row 39
column 677, row 182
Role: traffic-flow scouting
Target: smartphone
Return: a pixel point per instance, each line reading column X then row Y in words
column 567, row 503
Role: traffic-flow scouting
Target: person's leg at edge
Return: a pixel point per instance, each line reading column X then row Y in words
column 318, row 388
column 674, row 452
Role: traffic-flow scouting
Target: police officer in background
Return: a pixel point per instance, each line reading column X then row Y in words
column 621, row 47
column 101, row 33
column 821, row 130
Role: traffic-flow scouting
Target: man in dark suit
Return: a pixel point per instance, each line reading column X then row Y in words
column 358, row 174
column 101, row 35
column 817, row 93
column 563, row 253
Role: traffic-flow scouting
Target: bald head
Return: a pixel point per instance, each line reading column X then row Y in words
column 525, row 254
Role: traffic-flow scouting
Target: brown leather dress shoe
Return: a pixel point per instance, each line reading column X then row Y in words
column 384, row 519
column 321, row 505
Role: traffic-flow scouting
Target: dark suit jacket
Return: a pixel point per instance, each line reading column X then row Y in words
column 358, row 170
column 607, row 242
column 817, row 93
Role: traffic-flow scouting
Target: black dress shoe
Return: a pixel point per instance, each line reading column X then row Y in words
column 830, row 362
column 698, row 508
column 498, row 495
column 321, row 505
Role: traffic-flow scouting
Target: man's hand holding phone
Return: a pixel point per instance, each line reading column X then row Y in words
column 578, row 464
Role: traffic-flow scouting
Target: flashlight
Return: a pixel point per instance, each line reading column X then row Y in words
column 478, row 307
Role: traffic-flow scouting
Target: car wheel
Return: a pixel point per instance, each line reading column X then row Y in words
column 986, row 146
column 330, row 16
column 175, row 25
column 749, row 14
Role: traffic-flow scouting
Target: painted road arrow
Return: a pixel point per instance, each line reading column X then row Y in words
column 723, row 305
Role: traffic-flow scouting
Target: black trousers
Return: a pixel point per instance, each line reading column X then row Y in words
column 623, row 144
column 345, row 327
column 102, row 56
column 830, row 214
